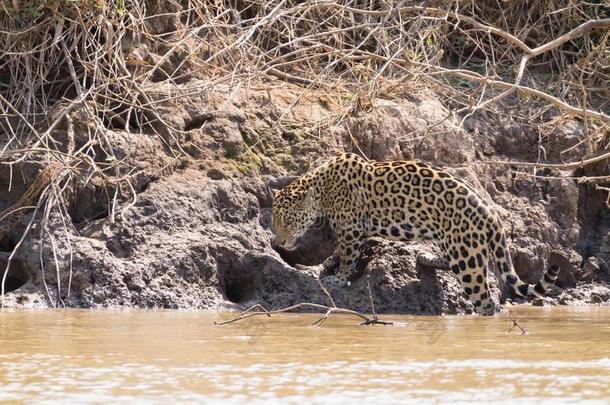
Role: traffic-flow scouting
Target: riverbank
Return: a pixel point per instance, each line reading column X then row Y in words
column 139, row 179
column 196, row 233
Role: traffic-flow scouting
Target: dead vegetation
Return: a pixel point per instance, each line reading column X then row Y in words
column 72, row 71
column 331, row 308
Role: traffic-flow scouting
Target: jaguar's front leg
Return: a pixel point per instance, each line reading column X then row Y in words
column 431, row 260
column 349, row 252
column 332, row 261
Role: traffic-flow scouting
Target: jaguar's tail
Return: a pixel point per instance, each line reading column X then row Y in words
column 510, row 277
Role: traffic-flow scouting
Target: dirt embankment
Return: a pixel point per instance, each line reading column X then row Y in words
column 194, row 232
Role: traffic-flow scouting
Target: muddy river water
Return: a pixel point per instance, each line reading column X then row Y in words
column 82, row 356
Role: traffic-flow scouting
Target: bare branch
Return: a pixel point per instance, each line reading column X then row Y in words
column 259, row 310
column 560, row 166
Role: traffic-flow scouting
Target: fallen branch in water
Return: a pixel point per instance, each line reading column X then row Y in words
column 516, row 325
column 375, row 318
column 259, row 310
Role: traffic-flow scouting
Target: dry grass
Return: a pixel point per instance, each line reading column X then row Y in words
column 98, row 59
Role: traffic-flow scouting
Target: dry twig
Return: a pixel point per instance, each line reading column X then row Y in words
column 515, row 324
column 259, row 310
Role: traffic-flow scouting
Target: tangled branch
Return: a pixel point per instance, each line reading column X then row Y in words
column 259, row 310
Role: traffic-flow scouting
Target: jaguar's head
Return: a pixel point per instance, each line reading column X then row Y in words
column 293, row 213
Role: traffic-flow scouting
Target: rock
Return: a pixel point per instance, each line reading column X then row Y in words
column 512, row 139
column 409, row 129
column 585, row 293
column 604, row 271
column 569, row 263
column 591, row 269
column 564, row 142
column 563, row 208
column 538, row 302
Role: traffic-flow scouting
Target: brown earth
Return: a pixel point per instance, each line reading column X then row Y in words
column 197, row 235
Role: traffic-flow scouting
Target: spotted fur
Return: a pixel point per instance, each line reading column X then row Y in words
column 402, row 200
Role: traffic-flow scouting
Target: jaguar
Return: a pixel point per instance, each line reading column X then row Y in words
column 403, row 201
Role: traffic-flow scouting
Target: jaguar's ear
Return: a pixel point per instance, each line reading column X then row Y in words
column 308, row 198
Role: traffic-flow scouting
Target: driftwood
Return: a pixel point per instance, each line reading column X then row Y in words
column 515, row 324
column 259, row 310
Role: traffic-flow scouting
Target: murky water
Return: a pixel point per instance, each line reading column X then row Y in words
column 180, row 357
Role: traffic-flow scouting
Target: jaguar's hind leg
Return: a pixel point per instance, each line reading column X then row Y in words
column 473, row 278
